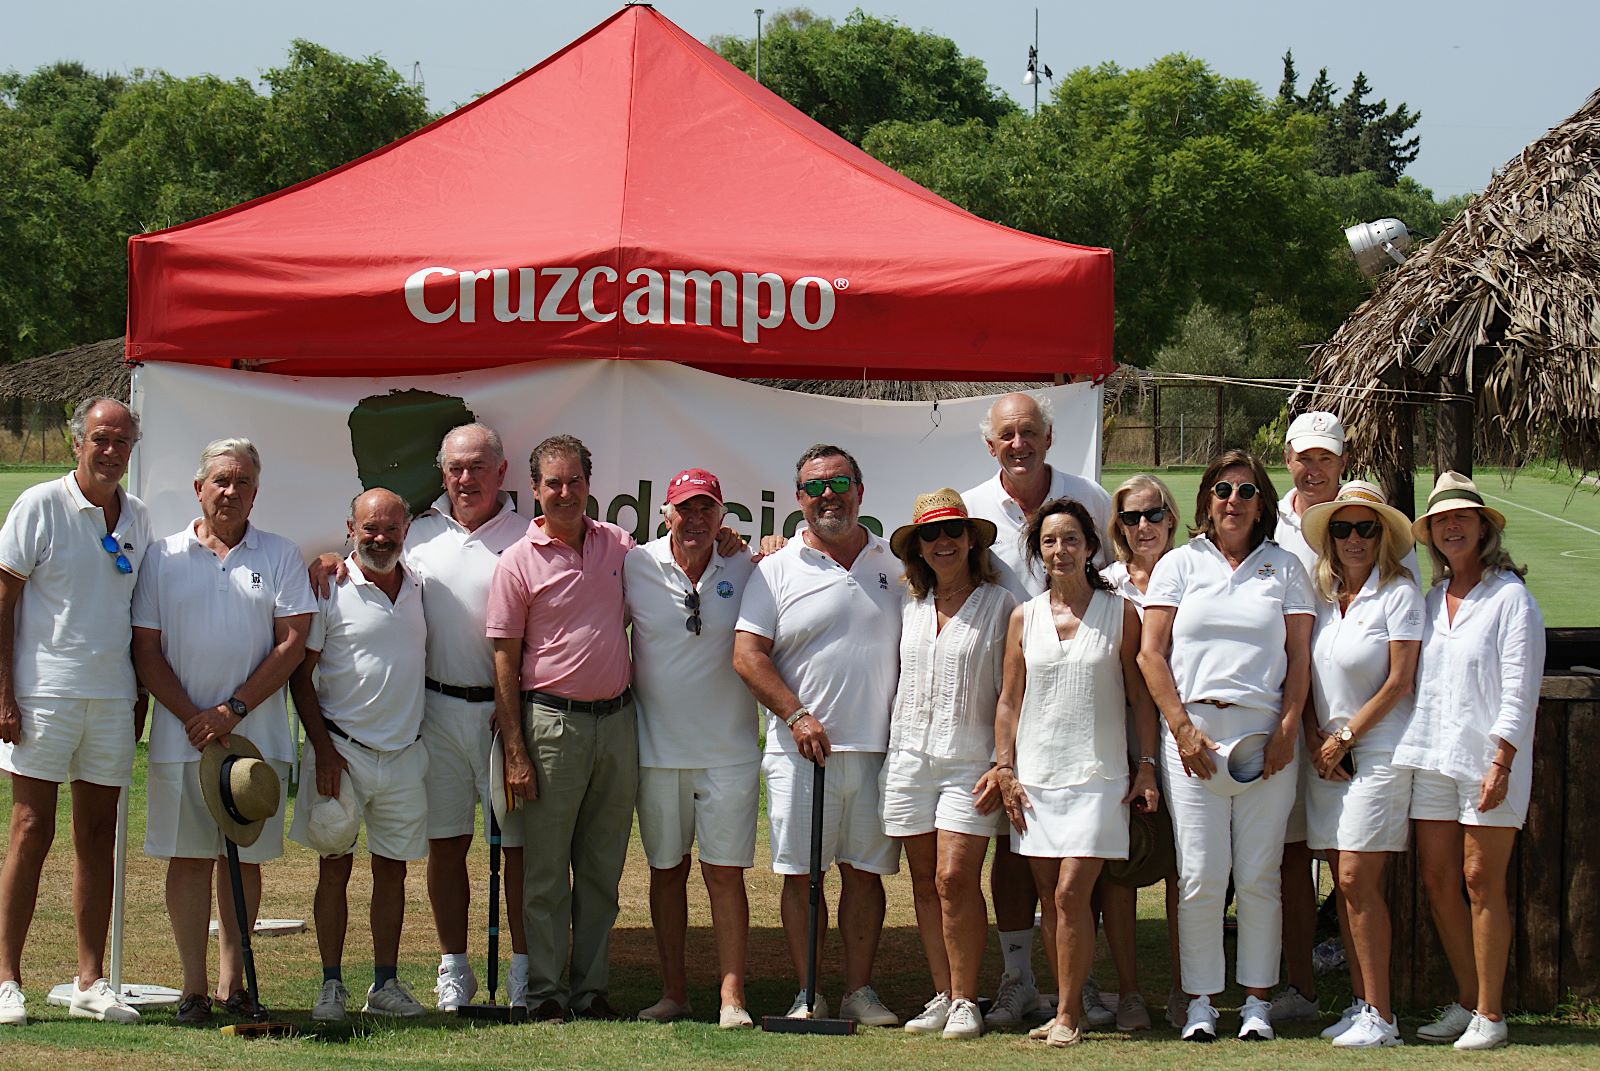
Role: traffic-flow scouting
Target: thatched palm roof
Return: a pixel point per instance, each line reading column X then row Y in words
column 71, row 375
column 1506, row 297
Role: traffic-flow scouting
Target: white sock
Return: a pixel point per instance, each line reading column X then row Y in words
column 455, row 961
column 1017, row 947
column 519, row 959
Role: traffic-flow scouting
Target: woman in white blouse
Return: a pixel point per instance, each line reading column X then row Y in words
column 1061, row 762
column 1363, row 665
column 1227, row 630
column 941, row 739
column 1470, row 743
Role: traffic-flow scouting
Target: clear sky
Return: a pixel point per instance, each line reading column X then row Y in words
column 1487, row 78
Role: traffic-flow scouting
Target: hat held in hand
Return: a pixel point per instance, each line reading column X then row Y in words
column 241, row 789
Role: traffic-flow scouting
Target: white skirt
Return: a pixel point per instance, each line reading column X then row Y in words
column 1368, row 813
column 1087, row 821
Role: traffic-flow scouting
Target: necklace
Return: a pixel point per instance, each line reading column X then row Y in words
column 952, row 594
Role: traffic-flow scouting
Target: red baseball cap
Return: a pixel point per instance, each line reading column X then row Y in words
column 690, row 482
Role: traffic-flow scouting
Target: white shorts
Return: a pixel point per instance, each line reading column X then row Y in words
column 1087, row 821
column 458, row 735
column 1368, row 813
column 852, row 813
column 388, row 787
column 73, row 740
column 715, row 806
column 1436, row 797
column 179, row 826
column 922, row 793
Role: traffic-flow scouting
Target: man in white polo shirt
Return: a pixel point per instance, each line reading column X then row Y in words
column 818, row 645
column 220, row 615
column 699, row 760
column 70, row 553
column 363, row 721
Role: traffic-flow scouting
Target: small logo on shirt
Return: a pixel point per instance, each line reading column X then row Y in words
column 724, row 589
column 883, row 581
column 1267, row 571
column 1413, row 617
column 255, row 581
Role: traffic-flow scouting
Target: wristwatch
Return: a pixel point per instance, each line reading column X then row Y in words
column 799, row 713
column 1346, row 737
column 1147, row 760
column 236, row 706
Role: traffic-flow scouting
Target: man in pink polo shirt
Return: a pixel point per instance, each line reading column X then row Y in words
column 566, row 720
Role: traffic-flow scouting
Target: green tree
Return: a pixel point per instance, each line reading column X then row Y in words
column 1358, row 134
column 64, row 102
column 851, row 76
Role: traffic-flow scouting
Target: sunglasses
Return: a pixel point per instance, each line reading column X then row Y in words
column 930, row 533
column 1364, row 529
column 837, row 484
column 691, row 602
column 109, row 542
column 1130, row 517
column 1223, row 490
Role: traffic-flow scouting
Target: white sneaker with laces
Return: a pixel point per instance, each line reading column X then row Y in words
column 1369, row 1031
column 1346, row 1017
column 933, row 1016
column 455, row 987
column 1096, row 1016
column 517, row 985
column 1200, row 1024
column 797, row 1010
column 393, row 999
column 1450, row 1025
column 100, row 1002
column 964, row 1020
column 1483, row 1033
column 1293, row 1006
column 1255, row 1020
column 13, row 1005
column 865, row 1007
column 1014, row 1001
column 331, row 1001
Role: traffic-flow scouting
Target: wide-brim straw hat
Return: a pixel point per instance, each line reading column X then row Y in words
column 1396, row 525
column 1454, row 491
column 945, row 504
column 241, row 789
column 1152, row 854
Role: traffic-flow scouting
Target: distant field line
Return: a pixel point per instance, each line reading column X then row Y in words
column 1542, row 513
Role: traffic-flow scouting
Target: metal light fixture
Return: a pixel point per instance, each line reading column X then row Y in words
column 1035, row 68
column 759, row 13
column 1378, row 246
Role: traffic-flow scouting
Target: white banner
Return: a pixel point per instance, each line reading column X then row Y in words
column 323, row 441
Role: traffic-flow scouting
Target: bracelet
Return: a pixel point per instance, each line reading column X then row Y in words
column 799, row 713
column 1147, row 760
column 1502, row 765
column 1005, row 766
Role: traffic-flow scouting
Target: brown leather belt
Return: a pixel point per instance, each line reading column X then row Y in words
column 1218, row 703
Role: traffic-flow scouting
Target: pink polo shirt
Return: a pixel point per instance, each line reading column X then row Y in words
column 567, row 609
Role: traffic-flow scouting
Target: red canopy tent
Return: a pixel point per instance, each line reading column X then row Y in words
column 632, row 197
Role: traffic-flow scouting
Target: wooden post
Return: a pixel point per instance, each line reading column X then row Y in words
column 1155, row 428
column 1400, row 483
column 1218, row 437
column 1453, row 444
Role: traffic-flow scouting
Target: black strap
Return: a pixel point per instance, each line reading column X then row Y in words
column 454, row 691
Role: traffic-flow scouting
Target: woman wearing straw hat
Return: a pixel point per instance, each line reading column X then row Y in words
column 941, row 737
column 1363, row 664
column 1226, row 653
column 1144, row 521
column 1071, row 677
column 1470, row 743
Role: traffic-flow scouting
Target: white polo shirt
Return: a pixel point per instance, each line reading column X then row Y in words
column 1291, row 537
column 694, row 710
column 1350, row 655
column 990, row 501
column 835, row 638
column 72, row 636
column 216, row 621
column 455, row 567
column 1229, row 632
column 369, row 678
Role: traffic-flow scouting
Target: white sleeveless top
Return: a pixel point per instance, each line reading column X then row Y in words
column 1072, row 726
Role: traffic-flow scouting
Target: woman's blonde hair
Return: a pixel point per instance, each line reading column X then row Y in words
column 1327, row 576
column 1140, row 481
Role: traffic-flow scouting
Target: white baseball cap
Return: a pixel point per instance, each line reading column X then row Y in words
column 1314, row 430
column 333, row 824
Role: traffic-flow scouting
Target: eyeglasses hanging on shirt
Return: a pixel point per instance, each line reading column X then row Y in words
column 109, row 542
column 691, row 602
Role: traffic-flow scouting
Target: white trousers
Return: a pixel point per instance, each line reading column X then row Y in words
column 1217, row 835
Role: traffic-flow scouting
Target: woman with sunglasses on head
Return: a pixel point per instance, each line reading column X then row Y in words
column 1470, row 746
column 1227, row 630
column 1061, row 764
column 1364, row 650
column 941, row 738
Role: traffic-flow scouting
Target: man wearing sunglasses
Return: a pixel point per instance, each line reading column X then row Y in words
column 70, row 553
column 699, row 760
column 818, row 645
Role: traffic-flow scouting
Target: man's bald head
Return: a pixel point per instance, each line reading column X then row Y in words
column 378, row 524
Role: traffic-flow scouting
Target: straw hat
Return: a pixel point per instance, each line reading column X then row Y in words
column 1454, row 491
column 945, row 504
column 241, row 789
column 1152, row 854
column 1396, row 525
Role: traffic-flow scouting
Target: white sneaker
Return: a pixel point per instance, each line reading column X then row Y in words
column 1450, row 1025
column 393, row 999
column 1484, row 1033
column 1346, row 1017
column 331, row 1001
column 797, row 1010
column 1369, row 1031
column 517, row 985
column 733, row 1017
column 1293, row 1006
column 1200, row 1024
column 455, row 988
column 964, row 1020
column 932, row 1018
column 100, row 1002
column 1096, row 1016
column 1255, row 1020
column 1014, row 1001
column 865, row 1008
column 13, row 1005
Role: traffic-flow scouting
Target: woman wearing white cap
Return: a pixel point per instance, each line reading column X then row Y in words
column 941, row 738
column 1227, row 630
column 1363, row 664
column 1470, row 742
